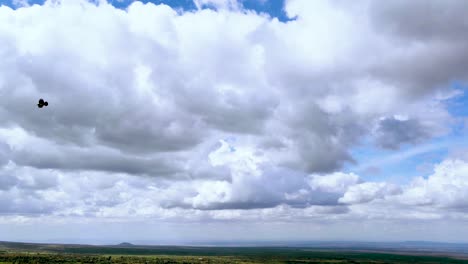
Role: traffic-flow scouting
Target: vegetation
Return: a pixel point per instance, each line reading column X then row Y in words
column 308, row 257
column 13, row 253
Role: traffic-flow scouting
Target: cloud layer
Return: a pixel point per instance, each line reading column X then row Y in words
column 155, row 112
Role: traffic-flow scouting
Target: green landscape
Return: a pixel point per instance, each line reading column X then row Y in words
column 12, row 253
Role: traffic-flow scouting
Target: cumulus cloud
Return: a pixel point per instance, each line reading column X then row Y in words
column 181, row 73
column 158, row 112
column 252, row 184
column 404, row 19
column 368, row 191
column 285, row 197
column 5, row 152
column 392, row 132
column 430, row 30
column 447, row 187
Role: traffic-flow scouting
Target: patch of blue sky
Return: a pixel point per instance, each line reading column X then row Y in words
column 274, row 8
column 457, row 106
column 400, row 166
column 185, row 5
column 231, row 141
column 13, row 4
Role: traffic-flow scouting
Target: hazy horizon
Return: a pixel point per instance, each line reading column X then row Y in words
column 246, row 243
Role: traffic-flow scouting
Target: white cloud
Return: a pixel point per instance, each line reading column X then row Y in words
column 337, row 182
column 201, row 115
column 183, row 72
column 368, row 191
column 447, row 187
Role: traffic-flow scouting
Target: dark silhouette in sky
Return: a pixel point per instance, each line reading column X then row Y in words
column 42, row 103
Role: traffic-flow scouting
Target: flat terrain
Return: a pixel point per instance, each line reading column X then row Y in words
column 54, row 253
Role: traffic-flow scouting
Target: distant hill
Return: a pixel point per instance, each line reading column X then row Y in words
column 125, row 244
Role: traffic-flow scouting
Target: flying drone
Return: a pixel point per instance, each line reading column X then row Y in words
column 42, row 103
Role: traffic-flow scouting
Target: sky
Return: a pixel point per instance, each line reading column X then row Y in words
column 178, row 121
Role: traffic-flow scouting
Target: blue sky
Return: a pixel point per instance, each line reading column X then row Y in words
column 274, row 8
column 409, row 161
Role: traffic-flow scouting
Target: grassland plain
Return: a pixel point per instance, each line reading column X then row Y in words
column 310, row 257
column 13, row 253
